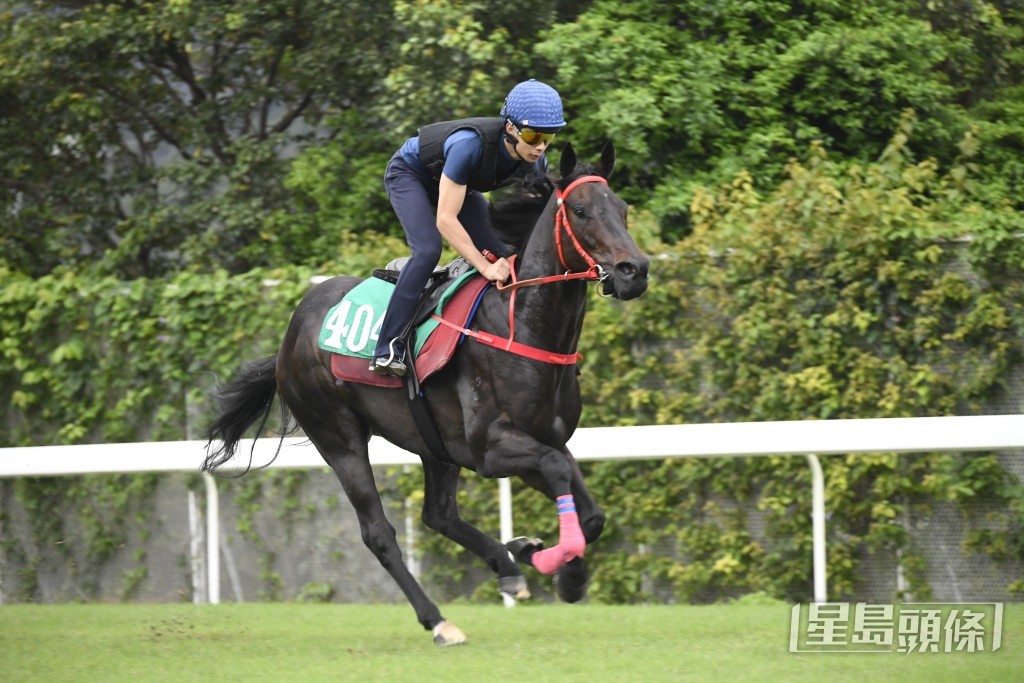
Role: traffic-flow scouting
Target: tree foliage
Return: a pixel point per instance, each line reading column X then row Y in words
column 151, row 136
column 148, row 137
column 697, row 93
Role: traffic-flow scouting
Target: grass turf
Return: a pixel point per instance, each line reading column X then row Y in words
column 309, row 643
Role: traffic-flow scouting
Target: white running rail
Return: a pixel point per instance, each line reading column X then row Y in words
column 808, row 438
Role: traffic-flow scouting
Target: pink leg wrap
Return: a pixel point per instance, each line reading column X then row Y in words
column 571, row 543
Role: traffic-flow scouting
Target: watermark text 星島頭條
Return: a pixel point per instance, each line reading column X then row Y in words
column 907, row 628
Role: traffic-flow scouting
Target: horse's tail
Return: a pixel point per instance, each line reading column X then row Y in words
column 247, row 398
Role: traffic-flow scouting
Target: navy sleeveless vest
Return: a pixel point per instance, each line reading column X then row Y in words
column 490, row 129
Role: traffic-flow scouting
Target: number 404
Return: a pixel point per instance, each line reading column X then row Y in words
column 364, row 328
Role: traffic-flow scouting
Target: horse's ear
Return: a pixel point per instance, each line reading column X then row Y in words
column 607, row 164
column 567, row 164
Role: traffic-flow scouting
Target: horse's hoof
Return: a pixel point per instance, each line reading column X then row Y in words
column 523, row 548
column 446, row 633
column 514, row 587
column 571, row 581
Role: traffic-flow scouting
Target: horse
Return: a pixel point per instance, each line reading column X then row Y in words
column 498, row 413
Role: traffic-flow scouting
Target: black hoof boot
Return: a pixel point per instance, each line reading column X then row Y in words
column 514, row 587
column 571, row 581
column 522, row 549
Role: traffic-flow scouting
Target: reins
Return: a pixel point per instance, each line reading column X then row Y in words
column 593, row 272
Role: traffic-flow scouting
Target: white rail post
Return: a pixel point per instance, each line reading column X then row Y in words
column 200, row 577
column 212, row 540
column 505, row 517
column 411, row 561
column 818, row 528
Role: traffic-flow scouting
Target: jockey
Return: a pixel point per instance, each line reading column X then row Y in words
column 435, row 183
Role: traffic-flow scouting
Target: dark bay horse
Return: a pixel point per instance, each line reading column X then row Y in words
column 498, row 413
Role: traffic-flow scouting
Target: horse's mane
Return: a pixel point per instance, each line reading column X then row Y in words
column 514, row 211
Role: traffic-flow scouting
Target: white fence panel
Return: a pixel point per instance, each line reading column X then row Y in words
column 808, row 438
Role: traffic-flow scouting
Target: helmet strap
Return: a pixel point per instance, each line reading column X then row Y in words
column 511, row 139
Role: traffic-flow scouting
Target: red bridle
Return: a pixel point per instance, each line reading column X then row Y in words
column 593, row 272
column 562, row 224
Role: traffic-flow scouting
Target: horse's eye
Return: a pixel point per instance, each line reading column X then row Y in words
column 578, row 212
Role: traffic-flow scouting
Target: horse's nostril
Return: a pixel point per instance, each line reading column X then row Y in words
column 625, row 269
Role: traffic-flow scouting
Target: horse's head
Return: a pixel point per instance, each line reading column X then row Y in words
column 593, row 231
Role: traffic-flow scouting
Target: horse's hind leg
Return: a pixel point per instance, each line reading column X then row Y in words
column 347, row 455
column 441, row 513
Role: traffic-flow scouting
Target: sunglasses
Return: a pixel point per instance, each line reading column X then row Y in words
column 533, row 137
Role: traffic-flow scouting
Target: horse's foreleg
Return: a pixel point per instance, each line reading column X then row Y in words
column 441, row 513
column 571, row 541
column 572, row 578
column 591, row 515
column 513, row 452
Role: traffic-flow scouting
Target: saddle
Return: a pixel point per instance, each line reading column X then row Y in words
column 432, row 291
column 350, row 328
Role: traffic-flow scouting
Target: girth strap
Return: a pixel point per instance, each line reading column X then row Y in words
column 423, row 416
column 419, row 407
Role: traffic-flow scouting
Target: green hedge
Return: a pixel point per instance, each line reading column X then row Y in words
column 97, row 360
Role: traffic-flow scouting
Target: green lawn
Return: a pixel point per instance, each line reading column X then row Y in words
column 533, row 643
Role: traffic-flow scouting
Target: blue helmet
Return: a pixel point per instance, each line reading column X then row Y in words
column 534, row 104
